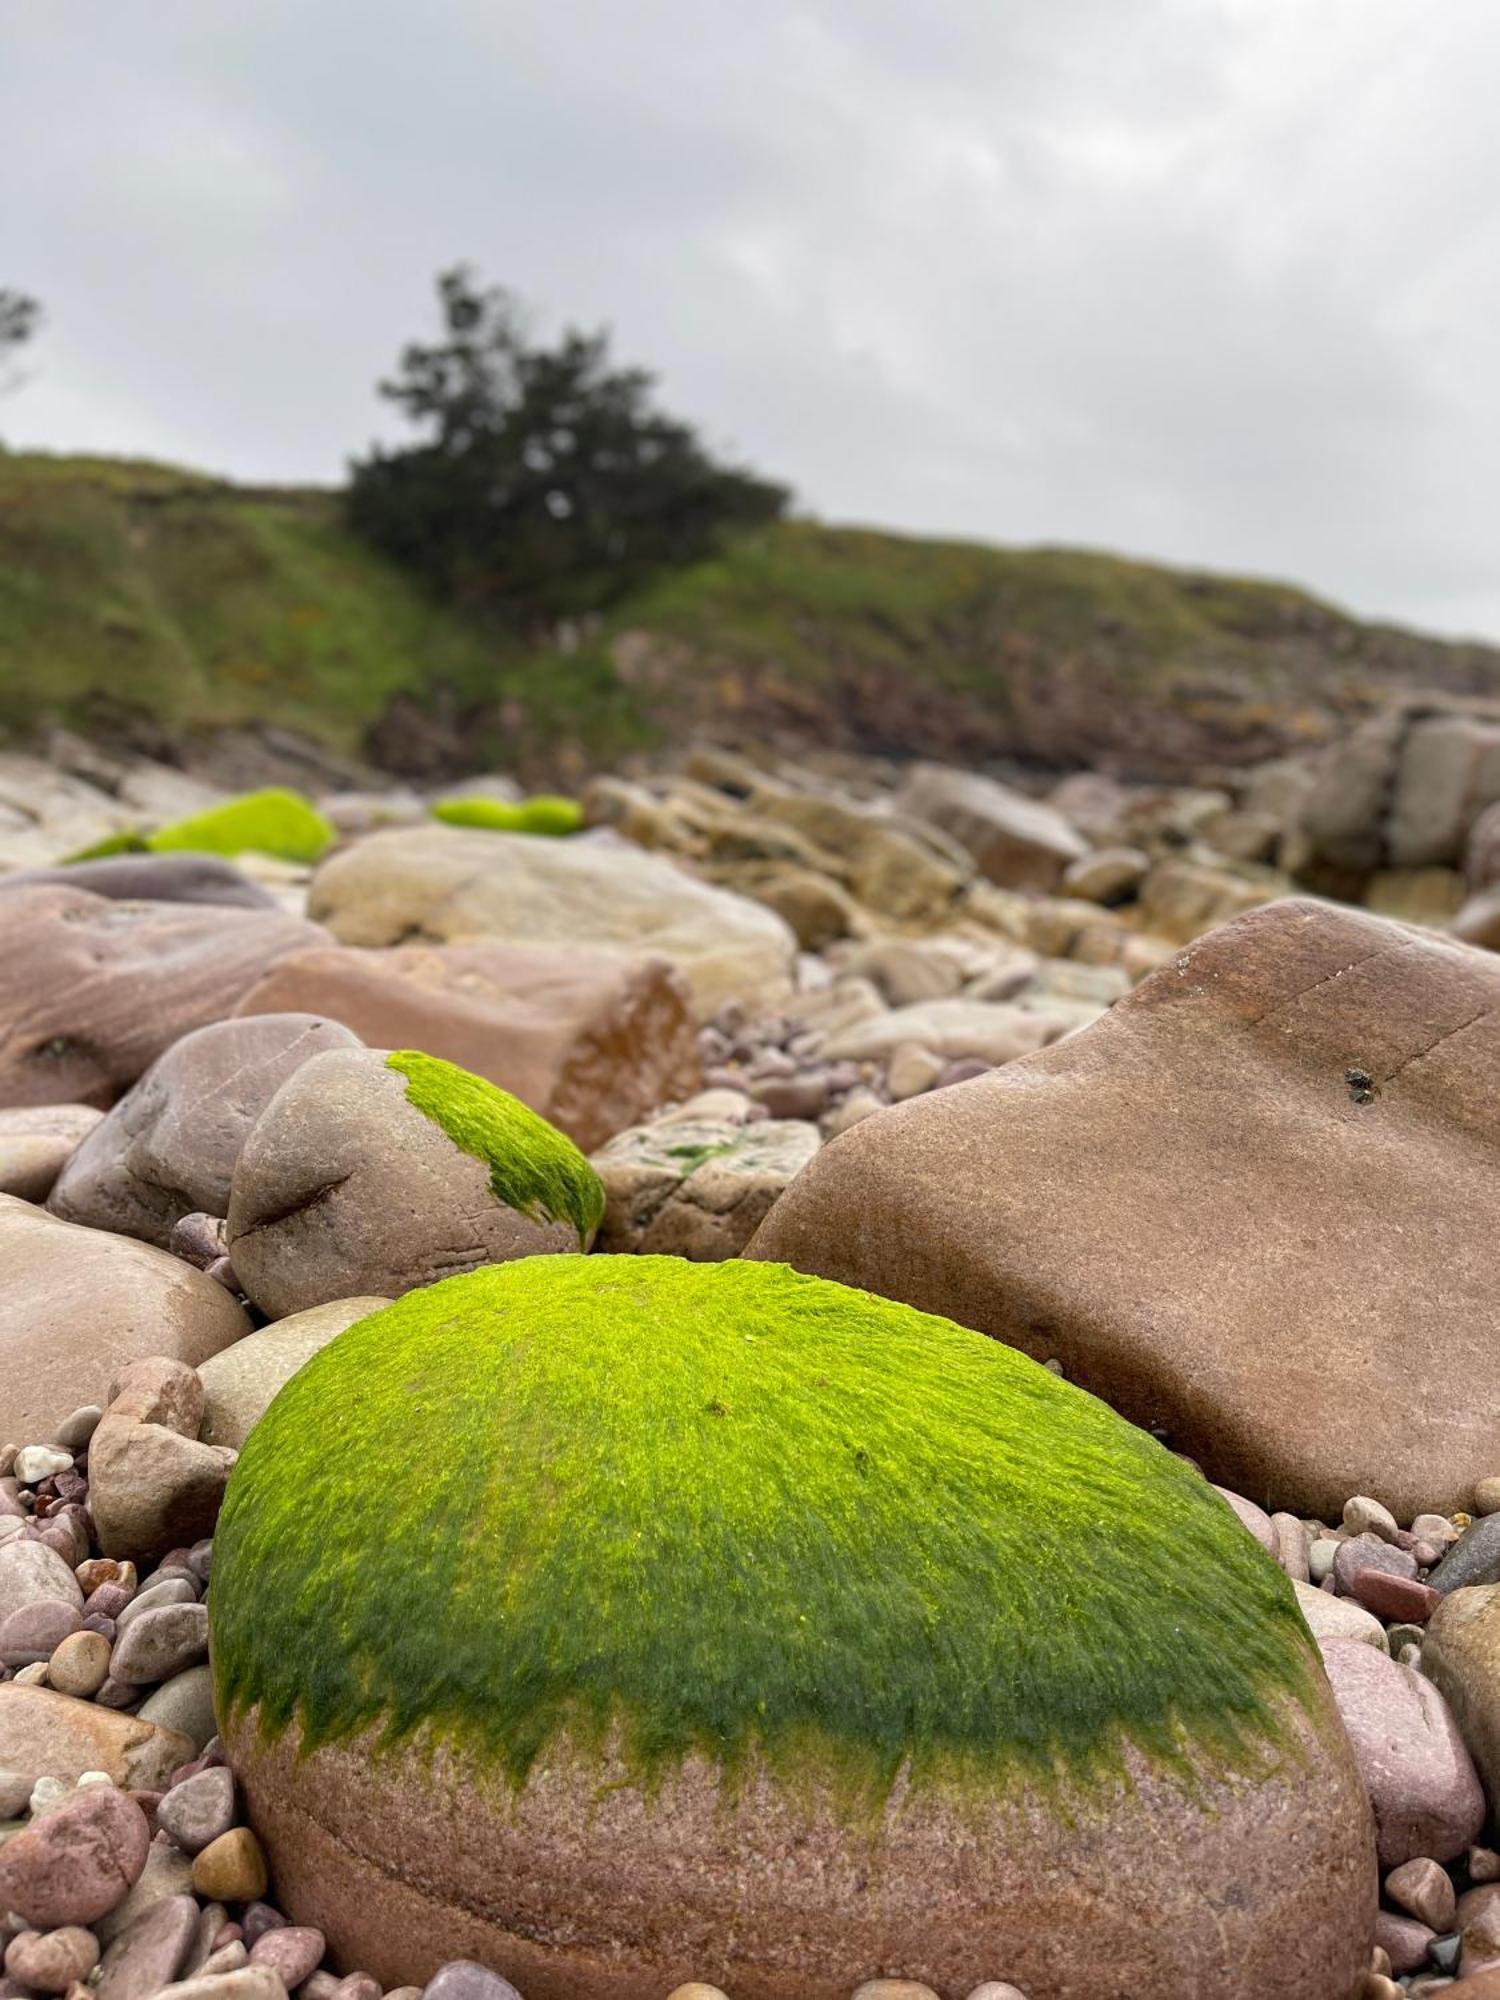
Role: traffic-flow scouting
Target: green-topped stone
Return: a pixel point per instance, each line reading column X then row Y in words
column 276, row 822
column 544, row 814
column 649, row 1619
column 376, row 1173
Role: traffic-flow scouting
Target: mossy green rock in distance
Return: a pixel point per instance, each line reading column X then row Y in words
column 621, row 1620
column 277, row 822
column 543, row 814
column 534, row 1168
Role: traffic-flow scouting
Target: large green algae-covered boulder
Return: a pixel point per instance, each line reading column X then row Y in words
column 618, row 1620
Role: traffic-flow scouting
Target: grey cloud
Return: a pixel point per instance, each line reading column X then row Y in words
column 1211, row 280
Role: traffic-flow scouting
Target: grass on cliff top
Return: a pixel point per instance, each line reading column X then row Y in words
column 206, row 604
column 733, row 1510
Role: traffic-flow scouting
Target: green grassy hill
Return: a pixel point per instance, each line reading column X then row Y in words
column 144, row 601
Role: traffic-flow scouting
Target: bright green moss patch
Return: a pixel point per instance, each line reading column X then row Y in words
column 274, row 822
column 731, row 1509
column 542, row 814
column 534, row 1168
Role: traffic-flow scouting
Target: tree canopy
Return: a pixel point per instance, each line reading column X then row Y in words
column 546, row 482
column 19, row 319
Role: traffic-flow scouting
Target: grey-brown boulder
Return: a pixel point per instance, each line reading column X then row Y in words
column 442, row 885
column 1016, row 841
column 344, row 1187
column 77, row 1306
column 36, row 1142
column 1253, row 1207
column 168, row 1148
column 592, row 1040
column 93, row 991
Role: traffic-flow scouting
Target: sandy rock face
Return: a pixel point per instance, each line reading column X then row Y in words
column 93, row 991
column 77, row 1306
column 168, row 1148
column 345, row 1188
column 449, row 885
column 593, row 1040
column 1254, row 1205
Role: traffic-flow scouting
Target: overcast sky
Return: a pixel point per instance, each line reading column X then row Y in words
column 1211, row 280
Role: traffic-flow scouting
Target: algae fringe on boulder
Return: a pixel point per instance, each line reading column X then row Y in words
column 732, row 1511
column 534, row 1168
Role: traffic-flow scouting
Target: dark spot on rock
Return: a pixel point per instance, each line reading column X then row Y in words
column 1361, row 1085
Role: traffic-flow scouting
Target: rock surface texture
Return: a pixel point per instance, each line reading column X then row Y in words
column 1253, row 1207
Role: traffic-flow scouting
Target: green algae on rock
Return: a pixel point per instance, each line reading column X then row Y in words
column 734, row 1512
column 534, row 1168
column 275, row 821
column 543, row 814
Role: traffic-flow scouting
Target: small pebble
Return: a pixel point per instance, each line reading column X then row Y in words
column 1487, row 1496
column 160, row 1643
column 52, row 1961
column 996, row 1989
column 104, row 1569
column 78, row 1862
column 15, row 1793
column 1363, row 1516
column 894, row 1989
column 198, row 1811
column 1378, row 1987
column 231, row 1869
column 260, row 1918
column 462, row 1979
column 80, row 1665
column 293, row 1950
column 1320, row 1559
column 229, row 1958
column 1484, row 1864
column 1424, row 1889
column 74, row 1432
column 1404, row 1941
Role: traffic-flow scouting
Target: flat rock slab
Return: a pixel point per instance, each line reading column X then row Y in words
column 77, row 1306
column 445, row 885
column 592, row 1040
column 1255, row 1205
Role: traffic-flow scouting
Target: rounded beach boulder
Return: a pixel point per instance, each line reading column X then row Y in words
column 617, row 1621
column 374, row 1172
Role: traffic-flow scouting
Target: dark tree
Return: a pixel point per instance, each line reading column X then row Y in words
column 546, row 483
column 19, row 319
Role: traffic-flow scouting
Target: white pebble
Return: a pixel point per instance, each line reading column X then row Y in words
column 33, row 1676
column 997, row 1989
column 46, row 1792
column 36, row 1462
